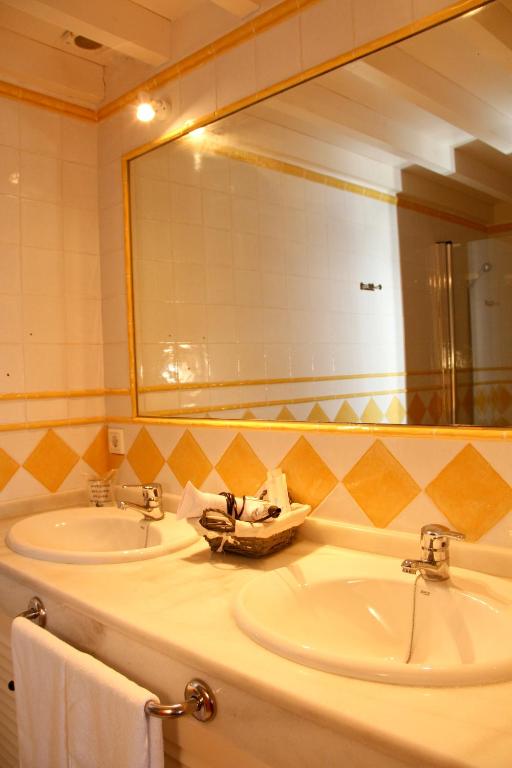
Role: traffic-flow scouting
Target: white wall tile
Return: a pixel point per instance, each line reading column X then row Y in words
column 40, row 131
column 41, row 224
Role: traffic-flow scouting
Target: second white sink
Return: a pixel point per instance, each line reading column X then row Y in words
column 352, row 614
column 97, row 535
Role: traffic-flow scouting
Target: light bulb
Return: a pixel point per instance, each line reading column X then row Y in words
column 145, row 112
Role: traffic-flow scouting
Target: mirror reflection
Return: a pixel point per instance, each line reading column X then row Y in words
column 341, row 252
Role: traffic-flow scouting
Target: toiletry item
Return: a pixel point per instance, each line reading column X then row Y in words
column 100, row 492
column 277, row 489
column 194, row 502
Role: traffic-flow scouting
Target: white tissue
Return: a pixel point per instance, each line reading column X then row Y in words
column 194, row 502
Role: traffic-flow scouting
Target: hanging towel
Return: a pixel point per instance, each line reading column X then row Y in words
column 73, row 711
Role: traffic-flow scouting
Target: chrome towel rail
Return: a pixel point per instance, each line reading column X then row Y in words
column 199, row 701
column 35, row 612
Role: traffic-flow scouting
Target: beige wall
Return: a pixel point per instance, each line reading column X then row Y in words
column 324, row 468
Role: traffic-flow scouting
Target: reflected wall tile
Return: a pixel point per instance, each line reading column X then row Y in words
column 221, row 324
column 10, row 268
column 249, row 325
column 220, row 285
column 10, row 123
column 246, row 253
column 189, row 283
column 278, row 362
column 192, row 363
column 187, row 243
column 218, row 248
column 223, row 362
column 215, row 172
column 9, row 219
column 247, row 288
column 251, row 361
column 216, row 209
column 244, row 215
column 276, row 325
column 12, row 376
column 152, row 240
column 190, row 323
column 154, row 280
column 151, row 198
column 186, row 204
column 183, row 165
column 274, row 290
column 9, row 170
column 243, row 180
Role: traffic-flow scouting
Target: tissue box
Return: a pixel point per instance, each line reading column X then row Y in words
column 256, row 539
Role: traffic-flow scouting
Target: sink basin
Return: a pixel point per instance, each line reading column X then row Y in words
column 97, row 535
column 352, row 614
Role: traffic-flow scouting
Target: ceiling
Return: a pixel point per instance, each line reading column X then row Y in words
column 137, row 37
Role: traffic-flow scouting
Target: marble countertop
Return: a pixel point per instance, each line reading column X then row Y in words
column 180, row 605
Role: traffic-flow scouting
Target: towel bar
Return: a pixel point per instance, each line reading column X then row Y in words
column 199, row 702
column 199, row 698
column 35, row 612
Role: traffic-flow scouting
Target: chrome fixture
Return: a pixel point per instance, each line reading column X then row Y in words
column 35, row 612
column 199, row 702
column 435, row 553
column 152, row 507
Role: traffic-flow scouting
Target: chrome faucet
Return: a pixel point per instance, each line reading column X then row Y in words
column 152, row 496
column 435, row 553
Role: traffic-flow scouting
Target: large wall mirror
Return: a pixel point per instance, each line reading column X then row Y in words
column 342, row 251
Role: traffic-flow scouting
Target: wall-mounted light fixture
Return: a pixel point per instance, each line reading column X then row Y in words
column 149, row 109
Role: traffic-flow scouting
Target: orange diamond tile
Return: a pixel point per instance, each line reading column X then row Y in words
column 241, row 469
column 395, row 412
column 471, row 494
column 188, row 461
column 309, row 478
column 8, row 468
column 346, row 414
column 51, row 461
column 416, row 410
column 380, row 485
column 145, row 457
column 97, row 456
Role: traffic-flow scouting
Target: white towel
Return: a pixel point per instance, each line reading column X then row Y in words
column 75, row 712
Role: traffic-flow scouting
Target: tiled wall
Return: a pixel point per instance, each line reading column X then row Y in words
column 50, row 287
column 399, row 482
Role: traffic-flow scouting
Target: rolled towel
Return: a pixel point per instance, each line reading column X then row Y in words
column 194, row 502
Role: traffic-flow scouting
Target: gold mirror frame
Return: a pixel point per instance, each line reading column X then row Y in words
column 460, row 432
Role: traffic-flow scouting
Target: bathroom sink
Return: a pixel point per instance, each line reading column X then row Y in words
column 97, row 535
column 352, row 614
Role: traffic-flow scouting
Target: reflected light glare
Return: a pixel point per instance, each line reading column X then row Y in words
column 472, row 13
column 197, row 132
column 145, row 112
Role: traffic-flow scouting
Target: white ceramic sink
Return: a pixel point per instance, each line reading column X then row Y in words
column 97, row 535
column 352, row 614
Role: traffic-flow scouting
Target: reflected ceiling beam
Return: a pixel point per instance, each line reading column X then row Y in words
column 282, row 143
column 400, row 72
column 497, row 19
column 480, row 176
column 238, row 8
column 119, row 24
column 50, row 70
column 355, row 119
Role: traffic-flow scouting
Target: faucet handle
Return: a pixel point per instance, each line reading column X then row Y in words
column 437, row 531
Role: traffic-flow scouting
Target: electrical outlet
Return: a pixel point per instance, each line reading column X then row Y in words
column 116, row 440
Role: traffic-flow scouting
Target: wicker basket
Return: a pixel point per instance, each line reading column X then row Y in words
column 254, row 539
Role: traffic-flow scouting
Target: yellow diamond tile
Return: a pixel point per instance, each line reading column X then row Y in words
column 51, row 461
column 471, row 494
column 395, row 412
column 380, row 485
column 97, row 455
column 145, row 457
column 372, row 414
column 317, row 415
column 241, row 469
column 346, row 414
column 416, row 410
column 188, row 461
column 309, row 478
column 285, row 414
column 8, row 468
